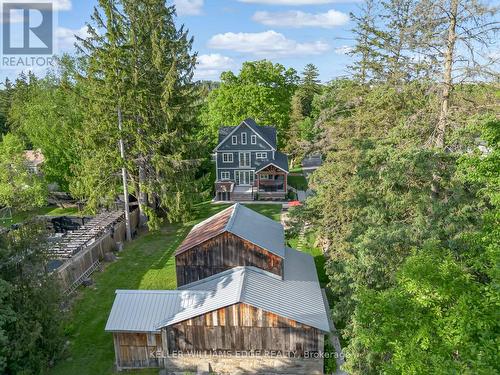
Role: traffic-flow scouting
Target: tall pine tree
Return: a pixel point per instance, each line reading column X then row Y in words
column 139, row 70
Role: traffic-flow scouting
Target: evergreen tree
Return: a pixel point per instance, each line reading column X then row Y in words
column 5, row 100
column 367, row 65
column 301, row 121
column 139, row 71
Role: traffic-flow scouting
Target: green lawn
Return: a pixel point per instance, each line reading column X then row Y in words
column 298, row 182
column 272, row 211
column 297, row 169
column 18, row 217
column 145, row 263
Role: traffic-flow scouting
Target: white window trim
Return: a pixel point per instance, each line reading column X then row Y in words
column 249, row 159
column 244, row 139
column 261, row 155
column 253, row 139
column 234, row 140
column 229, row 156
column 225, row 173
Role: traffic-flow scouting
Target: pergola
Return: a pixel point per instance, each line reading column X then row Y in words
column 271, row 179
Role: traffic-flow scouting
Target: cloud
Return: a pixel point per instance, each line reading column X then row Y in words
column 60, row 4
column 210, row 66
column 267, row 43
column 17, row 16
column 189, row 7
column 344, row 50
column 296, row 2
column 65, row 38
column 297, row 19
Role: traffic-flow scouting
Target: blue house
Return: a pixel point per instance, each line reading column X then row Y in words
column 248, row 164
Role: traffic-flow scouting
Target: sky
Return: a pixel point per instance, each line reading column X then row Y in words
column 228, row 32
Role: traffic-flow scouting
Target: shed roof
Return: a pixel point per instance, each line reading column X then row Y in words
column 242, row 222
column 297, row 297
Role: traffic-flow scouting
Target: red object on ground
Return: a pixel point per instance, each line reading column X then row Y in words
column 294, row 204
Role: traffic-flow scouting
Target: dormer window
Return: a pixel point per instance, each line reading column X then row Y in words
column 234, row 140
column 243, row 138
column 253, row 139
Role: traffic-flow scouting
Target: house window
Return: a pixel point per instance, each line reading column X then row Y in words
column 234, row 140
column 244, row 159
column 253, row 139
column 261, row 155
column 225, row 175
column 264, row 176
column 227, row 157
column 243, row 138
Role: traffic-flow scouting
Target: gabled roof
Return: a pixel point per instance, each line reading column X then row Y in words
column 280, row 160
column 298, row 297
column 267, row 133
column 242, row 222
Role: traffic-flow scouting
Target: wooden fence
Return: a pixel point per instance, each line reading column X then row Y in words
column 81, row 264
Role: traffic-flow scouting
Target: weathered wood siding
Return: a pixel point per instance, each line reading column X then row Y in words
column 134, row 350
column 220, row 253
column 241, row 327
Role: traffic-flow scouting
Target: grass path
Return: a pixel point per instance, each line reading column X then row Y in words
column 145, row 263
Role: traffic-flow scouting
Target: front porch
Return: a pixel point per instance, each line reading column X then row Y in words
column 271, row 183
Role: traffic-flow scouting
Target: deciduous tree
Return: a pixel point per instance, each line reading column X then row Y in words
column 262, row 90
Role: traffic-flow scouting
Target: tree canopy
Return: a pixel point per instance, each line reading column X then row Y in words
column 262, row 90
column 20, row 188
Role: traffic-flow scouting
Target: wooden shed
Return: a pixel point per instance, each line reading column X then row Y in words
column 241, row 290
column 241, row 309
column 237, row 236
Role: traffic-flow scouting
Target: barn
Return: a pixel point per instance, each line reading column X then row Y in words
column 237, row 236
column 242, row 318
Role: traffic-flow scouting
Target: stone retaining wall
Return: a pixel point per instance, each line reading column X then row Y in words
column 242, row 365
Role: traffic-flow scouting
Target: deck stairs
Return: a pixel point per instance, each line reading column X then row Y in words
column 242, row 193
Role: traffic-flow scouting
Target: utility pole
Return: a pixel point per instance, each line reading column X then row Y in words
column 124, row 177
